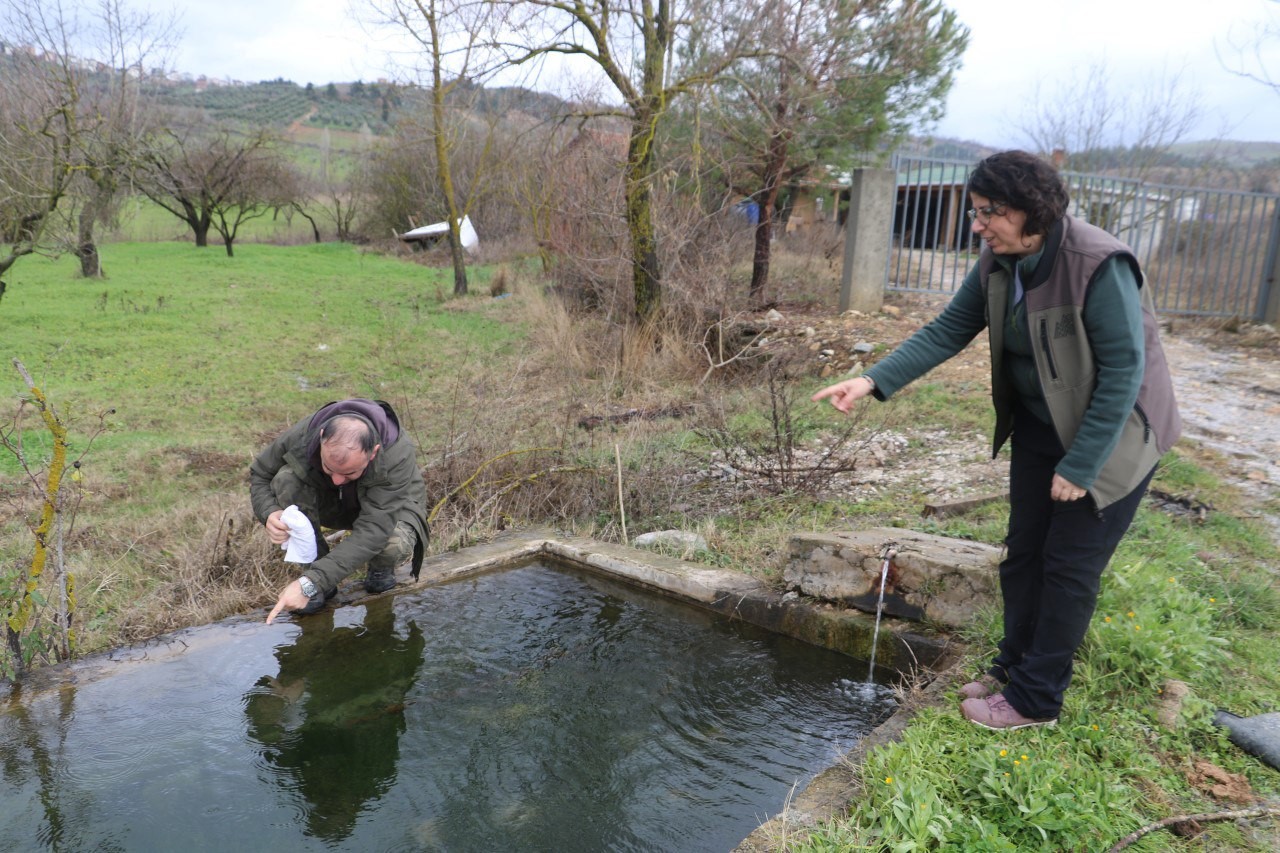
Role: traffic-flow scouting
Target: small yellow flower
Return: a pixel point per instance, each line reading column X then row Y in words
column 1006, row 774
column 1003, row 753
column 1137, row 627
column 1095, row 727
column 1131, row 614
column 1024, row 758
column 1106, row 619
column 1212, row 600
column 1171, row 580
column 888, row 780
column 1016, row 762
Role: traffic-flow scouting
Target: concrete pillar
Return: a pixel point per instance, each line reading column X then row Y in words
column 866, row 239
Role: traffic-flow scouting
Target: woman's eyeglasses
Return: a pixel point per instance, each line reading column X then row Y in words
column 984, row 214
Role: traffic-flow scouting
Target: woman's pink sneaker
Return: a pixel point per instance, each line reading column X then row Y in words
column 982, row 688
column 997, row 714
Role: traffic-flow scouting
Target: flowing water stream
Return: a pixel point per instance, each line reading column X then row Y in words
column 538, row 708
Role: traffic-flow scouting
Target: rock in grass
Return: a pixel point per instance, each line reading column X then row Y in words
column 679, row 539
column 1258, row 735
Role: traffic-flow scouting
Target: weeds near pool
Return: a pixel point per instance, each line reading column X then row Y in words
column 38, row 595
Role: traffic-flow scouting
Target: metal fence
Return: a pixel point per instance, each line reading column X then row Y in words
column 1206, row 252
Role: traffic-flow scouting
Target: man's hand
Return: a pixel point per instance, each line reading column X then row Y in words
column 277, row 530
column 291, row 598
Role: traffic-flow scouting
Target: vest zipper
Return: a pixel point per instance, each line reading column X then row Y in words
column 1048, row 353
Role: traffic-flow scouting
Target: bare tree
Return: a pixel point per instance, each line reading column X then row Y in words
column 448, row 32
column 490, row 153
column 69, row 122
column 633, row 45
column 1249, row 49
column 339, row 199
column 39, row 127
column 214, row 177
column 127, row 42
column 264, row 182
column 1100, row 126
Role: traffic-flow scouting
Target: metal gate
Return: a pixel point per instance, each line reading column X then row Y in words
column 1206, row 252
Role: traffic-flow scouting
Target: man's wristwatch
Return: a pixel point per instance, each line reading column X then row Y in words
column 308, row 586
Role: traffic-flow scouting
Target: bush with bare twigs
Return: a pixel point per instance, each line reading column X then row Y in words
column 775, row 452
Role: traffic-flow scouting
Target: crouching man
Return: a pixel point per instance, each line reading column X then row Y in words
column 347, row 467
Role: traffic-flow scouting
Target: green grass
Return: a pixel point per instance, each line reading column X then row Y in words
column 182, row 342
column 1194, row 602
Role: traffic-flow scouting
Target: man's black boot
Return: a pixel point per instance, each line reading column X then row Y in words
column 379, row 580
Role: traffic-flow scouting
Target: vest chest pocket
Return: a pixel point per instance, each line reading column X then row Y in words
column 1063, row 356
column 1046, row 349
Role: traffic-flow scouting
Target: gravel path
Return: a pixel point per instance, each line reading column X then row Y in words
column 1230, row 402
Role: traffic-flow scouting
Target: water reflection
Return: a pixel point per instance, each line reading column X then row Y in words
column 313, row 717
column 25, row 755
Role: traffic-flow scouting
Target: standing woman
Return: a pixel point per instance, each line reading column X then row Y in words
column 1080, row 384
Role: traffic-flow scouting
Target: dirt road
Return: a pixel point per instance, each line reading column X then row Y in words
column 1229, row 397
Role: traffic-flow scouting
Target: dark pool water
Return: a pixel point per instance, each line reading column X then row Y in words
column 533, row 709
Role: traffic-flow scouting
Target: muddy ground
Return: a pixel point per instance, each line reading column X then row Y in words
column 1226, row 375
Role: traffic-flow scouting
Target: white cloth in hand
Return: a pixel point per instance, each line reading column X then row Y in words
column 301, row 547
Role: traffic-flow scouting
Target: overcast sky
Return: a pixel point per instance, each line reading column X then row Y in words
column 1016, row 50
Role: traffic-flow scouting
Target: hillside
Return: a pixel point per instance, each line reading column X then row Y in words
column 356, row 107
column 1241, row 155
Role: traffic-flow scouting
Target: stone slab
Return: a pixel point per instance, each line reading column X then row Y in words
column 931, row 578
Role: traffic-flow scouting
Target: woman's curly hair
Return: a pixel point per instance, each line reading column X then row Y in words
column 1024, row 182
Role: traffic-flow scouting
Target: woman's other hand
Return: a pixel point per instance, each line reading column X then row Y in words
column 1064, row 490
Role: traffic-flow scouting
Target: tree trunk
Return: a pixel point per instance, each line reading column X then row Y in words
column 646, row 276
column 764, row 243
column 444, row 169
column 768, row 199
column 226, row 241
column 101, row 191
column 459, row 261
column 315, row 228
column 86, row 248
